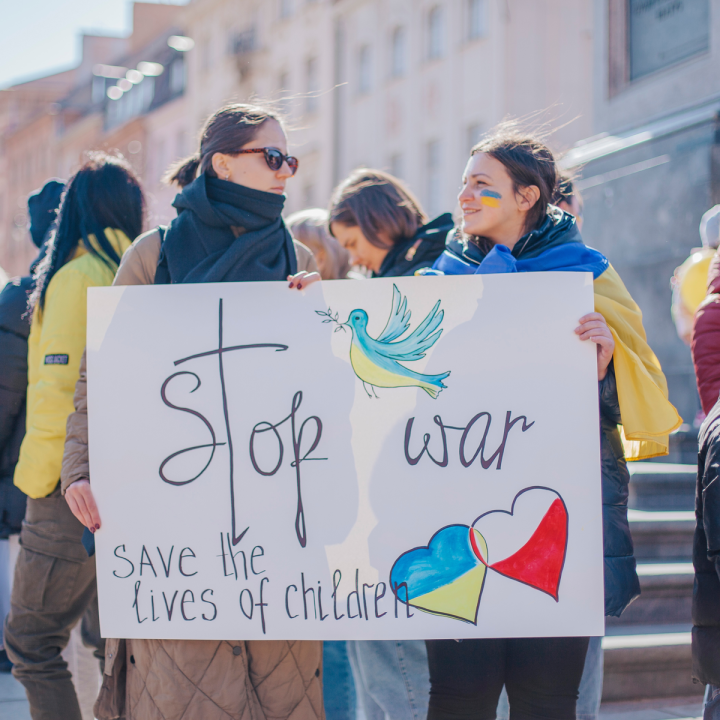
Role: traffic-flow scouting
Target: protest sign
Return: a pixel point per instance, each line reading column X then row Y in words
column 391, row 459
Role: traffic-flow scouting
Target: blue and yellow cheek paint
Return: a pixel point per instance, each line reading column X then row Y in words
column 490, row 198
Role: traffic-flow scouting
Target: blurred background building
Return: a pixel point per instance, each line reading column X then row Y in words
column 630, row 86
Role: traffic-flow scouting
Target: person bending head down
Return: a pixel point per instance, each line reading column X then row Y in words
column 382, row 224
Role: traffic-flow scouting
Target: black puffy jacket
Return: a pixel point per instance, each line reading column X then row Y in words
column 14, row 331
column 420, row 251
column 622, row 585
column 706, row 554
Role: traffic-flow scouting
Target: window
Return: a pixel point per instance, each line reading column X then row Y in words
column 665, row 32
column 397, row 52
column 285, row 8
column 396, row 165
column 206, row 56
column 476, row 19
column 434, row 177
column 98, row 89
column 180, row 144
column 436, row 32
column 364, row 69
column 284, row 91
column 311, row 85
column 161, row 162
column 472, row 137
column 177, row 76
column 309, row 196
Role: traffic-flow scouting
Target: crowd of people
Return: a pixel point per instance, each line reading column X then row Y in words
column 518, row 213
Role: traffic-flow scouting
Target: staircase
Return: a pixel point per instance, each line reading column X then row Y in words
column 647, row 649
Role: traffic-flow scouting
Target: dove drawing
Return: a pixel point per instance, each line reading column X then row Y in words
column 379, row 362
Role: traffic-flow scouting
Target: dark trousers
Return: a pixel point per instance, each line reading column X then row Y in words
column 541, row 675
column 53, row 588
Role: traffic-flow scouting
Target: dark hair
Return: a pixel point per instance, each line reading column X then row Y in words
column 565, row 190
column 226, row 131
column 379, row 204
column 104, row 193
column 528, row 161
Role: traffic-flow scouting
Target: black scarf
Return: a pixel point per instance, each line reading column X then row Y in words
column 203, row 245
column 419, row 251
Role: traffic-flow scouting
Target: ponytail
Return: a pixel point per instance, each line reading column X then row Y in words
column 226, row 131
column 183, row 172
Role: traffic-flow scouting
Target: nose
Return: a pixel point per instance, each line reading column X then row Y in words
column 464, row 193
column 284, row 172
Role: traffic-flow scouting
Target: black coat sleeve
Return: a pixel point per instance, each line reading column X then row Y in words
column 711, row 501
column 609, row 403
column 13, row 382
column 14, row 330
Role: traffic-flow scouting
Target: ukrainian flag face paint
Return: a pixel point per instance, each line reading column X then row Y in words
column 490, row 198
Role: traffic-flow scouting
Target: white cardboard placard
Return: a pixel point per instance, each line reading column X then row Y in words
column 319, row 479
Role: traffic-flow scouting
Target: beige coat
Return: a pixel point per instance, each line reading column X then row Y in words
column 194, row 679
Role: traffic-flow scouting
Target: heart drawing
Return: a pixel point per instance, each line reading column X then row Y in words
column 527, row 543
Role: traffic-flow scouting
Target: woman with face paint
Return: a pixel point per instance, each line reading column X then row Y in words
column 509, row 225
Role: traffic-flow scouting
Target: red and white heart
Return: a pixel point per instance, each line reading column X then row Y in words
column 528, row 543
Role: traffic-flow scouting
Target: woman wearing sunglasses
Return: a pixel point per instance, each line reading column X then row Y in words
column 228, row 229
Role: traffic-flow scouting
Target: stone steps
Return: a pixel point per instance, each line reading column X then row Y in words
column 648, row 649
column 662, row 536
column 662, row 486
column 648, row 664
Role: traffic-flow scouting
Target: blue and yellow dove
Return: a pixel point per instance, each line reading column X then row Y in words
column 377, row 361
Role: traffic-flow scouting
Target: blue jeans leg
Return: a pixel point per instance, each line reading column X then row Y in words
column 712, row 703
column 395, row 675
column 338, row 685
column 588, row 705
column 591, row 685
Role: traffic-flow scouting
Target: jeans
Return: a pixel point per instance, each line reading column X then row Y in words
column 712, row 703
column 591, row 685
column 338, row 685
column 391, row 678
column 542, row 676
column 54, row 587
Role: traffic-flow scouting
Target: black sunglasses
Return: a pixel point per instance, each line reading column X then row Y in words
column 274, row 158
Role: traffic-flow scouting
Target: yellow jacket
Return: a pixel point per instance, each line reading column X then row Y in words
column 55, row 346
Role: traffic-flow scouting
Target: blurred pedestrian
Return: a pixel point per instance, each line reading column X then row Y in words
column 705, row 343
column 54, row 582
column 14, row 331
column 689, row 282
column 568, row 198
column 310, row 228
column 509, row 225
column 706, row 560
column 229, row 228
column 385, row 229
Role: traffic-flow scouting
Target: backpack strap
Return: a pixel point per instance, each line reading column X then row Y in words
column 162, row 272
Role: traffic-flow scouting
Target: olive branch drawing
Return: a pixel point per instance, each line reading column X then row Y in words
column 329, row 317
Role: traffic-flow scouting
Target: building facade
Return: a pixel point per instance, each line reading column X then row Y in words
column 404, row 85
column 114, row 100
column 651, row 168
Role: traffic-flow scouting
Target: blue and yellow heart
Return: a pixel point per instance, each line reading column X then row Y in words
column 447, row 576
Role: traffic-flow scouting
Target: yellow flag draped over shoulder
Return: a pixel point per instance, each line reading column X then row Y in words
column 648, row 416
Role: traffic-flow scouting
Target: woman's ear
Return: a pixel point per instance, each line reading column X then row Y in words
column 220, row 165
column 527, row 197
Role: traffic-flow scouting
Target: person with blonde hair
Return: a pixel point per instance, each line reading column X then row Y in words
column 310, row 228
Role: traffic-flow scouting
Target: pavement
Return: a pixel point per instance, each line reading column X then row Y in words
column 14, row 706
